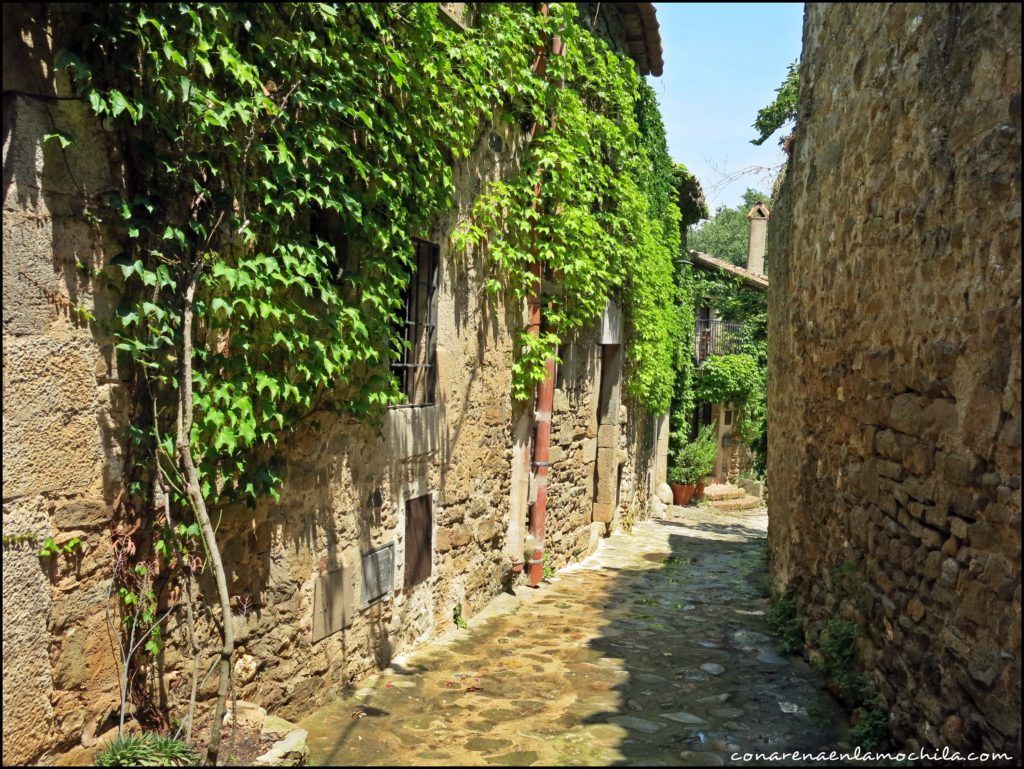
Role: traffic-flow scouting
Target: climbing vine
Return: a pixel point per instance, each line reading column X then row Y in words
column 606, row 224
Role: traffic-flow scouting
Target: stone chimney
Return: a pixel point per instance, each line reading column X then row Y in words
column 758, row 218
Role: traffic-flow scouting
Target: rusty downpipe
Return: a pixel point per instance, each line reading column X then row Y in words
column 546, row 389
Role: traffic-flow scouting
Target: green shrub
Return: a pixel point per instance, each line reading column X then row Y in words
column 784, row 620
column 146, row 750
column 695, row 460
column 872, row 729
column 839, row 658
column 840, row 663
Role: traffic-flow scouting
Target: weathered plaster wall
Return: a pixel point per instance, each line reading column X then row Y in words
column 894, row 334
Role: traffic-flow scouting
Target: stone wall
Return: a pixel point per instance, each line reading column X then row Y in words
column 62, row 406
column 345, row 482
column 894, row 337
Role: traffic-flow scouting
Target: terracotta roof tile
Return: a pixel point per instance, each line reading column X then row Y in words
column 644, row 36
column 751, row 279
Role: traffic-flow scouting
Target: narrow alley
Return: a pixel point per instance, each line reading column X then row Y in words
column 654, row 651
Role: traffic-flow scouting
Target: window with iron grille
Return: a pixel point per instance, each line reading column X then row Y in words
column 418, row 540
column 416, row 365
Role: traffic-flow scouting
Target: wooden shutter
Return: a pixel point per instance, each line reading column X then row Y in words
column 418, row 544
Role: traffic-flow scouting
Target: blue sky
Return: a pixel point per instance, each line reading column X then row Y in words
column 723, row 62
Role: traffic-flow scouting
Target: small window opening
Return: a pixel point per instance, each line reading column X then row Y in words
column 418, row 544
column 415, row 367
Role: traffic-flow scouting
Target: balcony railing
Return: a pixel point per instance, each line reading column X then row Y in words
column 716, row 337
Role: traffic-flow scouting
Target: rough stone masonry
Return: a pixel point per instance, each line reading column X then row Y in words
column 894, row 383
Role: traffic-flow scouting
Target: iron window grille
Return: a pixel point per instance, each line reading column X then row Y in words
column 416, row 367
column 717, row 337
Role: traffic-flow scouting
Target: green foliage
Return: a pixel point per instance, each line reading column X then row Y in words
column 728, row 379
column 783, row 618
column 689, row 195
column 241, row 121
column 726, row 234
column 782, row 109
column 547, row 570
column 460, row 621
column 605, row 219
column 696, row 459
column 146, row 750
column 654, row 300
column 51, row 548
column 29, row 537
column 871, row 730
column 841, row 665
column 839, row 659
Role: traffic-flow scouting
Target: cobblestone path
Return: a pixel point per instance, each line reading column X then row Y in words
column 654, row 651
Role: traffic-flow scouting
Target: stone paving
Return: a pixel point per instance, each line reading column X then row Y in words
column 655, row 651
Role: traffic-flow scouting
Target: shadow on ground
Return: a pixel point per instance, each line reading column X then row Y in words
column 656, row 651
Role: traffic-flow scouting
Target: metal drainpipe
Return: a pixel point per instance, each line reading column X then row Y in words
column 546, row 389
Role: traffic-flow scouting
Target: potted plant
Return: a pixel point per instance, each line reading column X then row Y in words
column 692, row 463
column 682, row 489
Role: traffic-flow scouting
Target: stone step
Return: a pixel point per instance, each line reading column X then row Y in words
column 717, row 491
column 745, row 502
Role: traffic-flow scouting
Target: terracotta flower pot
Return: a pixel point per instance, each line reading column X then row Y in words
column 682, row 493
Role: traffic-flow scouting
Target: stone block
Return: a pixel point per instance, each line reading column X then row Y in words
column 275, row 728
column 460, row 536
column 560, row 401
column 960, row 468
column 249, row 715
column 941, row 417
column 603, row 512
column 608, row 436
column 889, row 469
column 981, row 419
column 958, row 527
column 443, row 540
column 411, row 432
column 293, row 750
column 50, row 439
column 907, row 414
column 81, row 514
column 915, row 610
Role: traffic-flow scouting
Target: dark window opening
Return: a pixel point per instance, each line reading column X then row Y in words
column 701, row 416
column 418, row 545
column 563, row 353
column 728, row 416
column 416, row 365
column 611, row 370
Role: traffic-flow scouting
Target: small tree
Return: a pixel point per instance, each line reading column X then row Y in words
column 782, row 109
